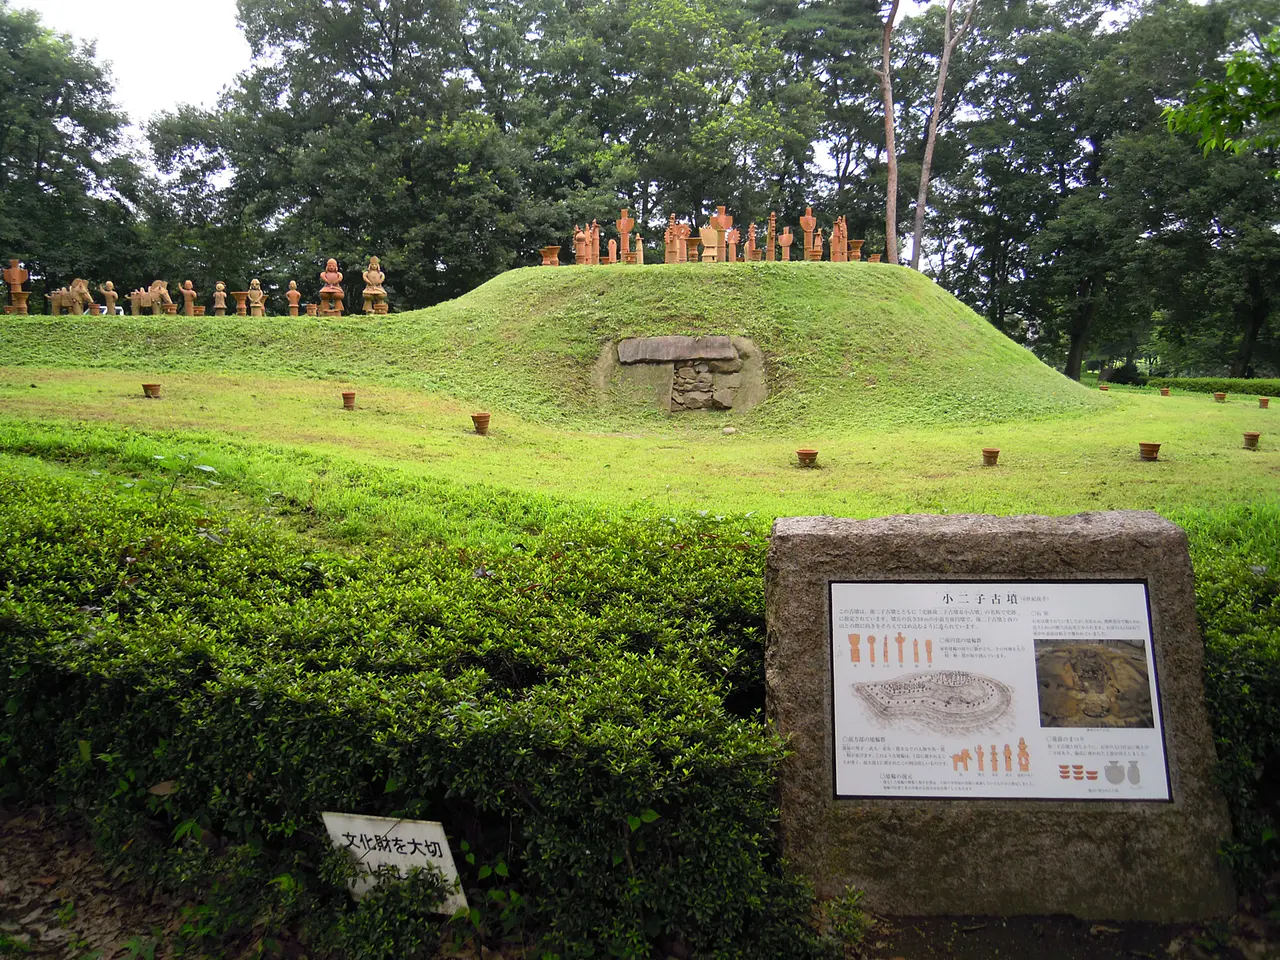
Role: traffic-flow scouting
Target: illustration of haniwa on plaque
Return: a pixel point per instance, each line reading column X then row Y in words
column 967, row 690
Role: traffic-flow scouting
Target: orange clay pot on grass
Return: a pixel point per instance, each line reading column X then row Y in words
column 481, row 423
column 1149, row 451
column 990, row 455
column 151, row 390
column 348, row 399
column 1220, row 397
column 1164, row 391
column 807, row 458
column 1264, row 402
column 1251, row 439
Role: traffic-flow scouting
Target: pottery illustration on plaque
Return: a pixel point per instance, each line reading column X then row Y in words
column 1134, row 776
column 1115, row 772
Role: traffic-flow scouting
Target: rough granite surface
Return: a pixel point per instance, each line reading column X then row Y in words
column 673, row 348
column 1096, row 860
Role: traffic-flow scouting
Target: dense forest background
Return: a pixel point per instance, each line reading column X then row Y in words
column 455, row 137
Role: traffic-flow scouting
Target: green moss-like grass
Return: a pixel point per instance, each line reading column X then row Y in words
column 845, row 344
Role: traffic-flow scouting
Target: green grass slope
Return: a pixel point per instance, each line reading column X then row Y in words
column 846, row 344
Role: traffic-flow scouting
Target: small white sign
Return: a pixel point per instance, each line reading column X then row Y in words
column 374, row 842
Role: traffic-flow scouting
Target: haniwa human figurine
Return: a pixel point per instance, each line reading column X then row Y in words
column 294, row 297
column 188, row 297
column 331, row 292
column 219, row 299
column 108, row 291
column 373, row 292
column 15, row 275
column 256, row 298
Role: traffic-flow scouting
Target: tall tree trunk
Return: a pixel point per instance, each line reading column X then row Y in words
column 885, row 73
column 1080, row 325
column 1259, row 308
column 949, row 43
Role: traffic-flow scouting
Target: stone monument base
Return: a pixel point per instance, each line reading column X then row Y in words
column 1093, row 838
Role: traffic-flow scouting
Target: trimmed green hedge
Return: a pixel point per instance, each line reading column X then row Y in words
column 1236, row 554
column 587, row 714
column 1246, row 388
column 584, row 713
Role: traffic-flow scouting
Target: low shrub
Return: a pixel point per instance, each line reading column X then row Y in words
column 1236, row 554
column 1126, row 374
column 1249, row 388
column 587, row 712
column 584, row 709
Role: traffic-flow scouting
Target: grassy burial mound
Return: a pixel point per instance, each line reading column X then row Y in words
column 859, row 344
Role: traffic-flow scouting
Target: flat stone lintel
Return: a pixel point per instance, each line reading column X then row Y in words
column 674, row 349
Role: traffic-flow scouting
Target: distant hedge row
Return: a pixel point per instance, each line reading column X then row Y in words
column 1248, row 388
column 587, row 715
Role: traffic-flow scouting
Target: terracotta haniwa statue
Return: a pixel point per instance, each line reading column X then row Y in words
column 294, row 297
column 709, row 236
column 256, row 298
column 15, row 275
column 807, row 223
column 72, row 299
column 188, row 298
column 331, row 293
column 670, row 254
column 160, row 299
column 375, row 298
column 220, row 299
column 626, row 223
column 109, row 295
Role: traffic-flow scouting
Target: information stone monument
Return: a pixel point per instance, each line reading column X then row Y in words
column 995, row 715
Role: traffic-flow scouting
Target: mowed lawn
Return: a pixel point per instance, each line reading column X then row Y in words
column 280, row 433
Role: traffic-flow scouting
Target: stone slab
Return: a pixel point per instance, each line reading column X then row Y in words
column 1097, row 859
column 670, row 349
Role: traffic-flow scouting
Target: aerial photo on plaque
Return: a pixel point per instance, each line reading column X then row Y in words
column 973, row 689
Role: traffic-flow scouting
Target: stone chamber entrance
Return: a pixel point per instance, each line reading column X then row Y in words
column 679, row 373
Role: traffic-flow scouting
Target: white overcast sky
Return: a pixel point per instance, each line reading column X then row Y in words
column 161, row 52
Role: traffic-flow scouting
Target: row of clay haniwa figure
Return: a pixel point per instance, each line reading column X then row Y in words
column 718, row 239
column 77, row 298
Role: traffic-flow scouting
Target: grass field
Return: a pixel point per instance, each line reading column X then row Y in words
column 585, row 569
column 853, row 345
column 255, row 428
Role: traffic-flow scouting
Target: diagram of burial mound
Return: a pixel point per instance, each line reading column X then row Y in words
column 1093, row 683
column 950, row 701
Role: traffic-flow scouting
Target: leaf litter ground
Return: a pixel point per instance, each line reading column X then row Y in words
column 59, row 898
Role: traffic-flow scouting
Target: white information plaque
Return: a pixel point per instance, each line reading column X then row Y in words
column 967, row 690
column 385, row 841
